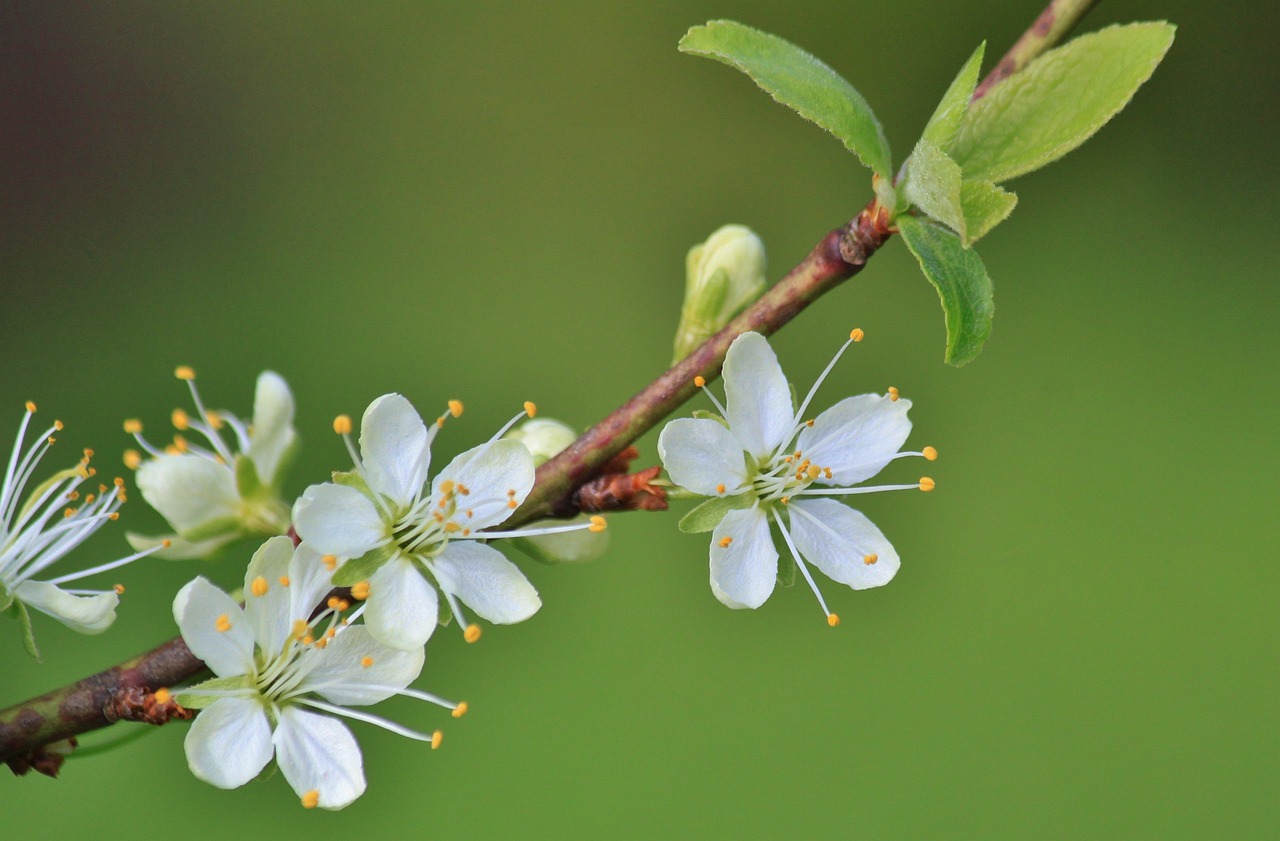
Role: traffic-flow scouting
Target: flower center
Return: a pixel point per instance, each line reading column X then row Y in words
column 785, row 474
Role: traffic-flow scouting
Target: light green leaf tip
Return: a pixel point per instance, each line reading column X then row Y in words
column 1058, row 101
column 949, row 115
column 985, row 205
column 798, row 80
column 961, row 281
column 934, row 184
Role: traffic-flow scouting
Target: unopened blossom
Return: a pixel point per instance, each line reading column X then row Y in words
column 404, row 539
column 38, row 528
column 285, row 672
column 766, row 467
column 219, row 479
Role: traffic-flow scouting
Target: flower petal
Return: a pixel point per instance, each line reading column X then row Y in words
column 342, row 676
column 338, row 520
column 229, row 742
column 268, row 613
column 86, row 614
column 273, row 433
column 309, row 582
column 837, row 539
column 744, row 572
column 189, row 490
column 318, row 753
column 700, row 454
column 178, row 548
column 393, row 446
column 402, row 608
column 200, row 609
column 486, row 582
column 488, row 473
column 757, row 397
column 856, row 437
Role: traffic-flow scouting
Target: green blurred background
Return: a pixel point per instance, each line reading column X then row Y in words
column 493, row 202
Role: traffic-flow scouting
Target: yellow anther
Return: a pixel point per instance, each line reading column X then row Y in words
column 133, row 426
column 814, row 471
column 436, row 738
column 826, row 472
column 870, row 559
column 330, row 561
column 700, row 381
column 69, row 512
column 809, row 422
column 470, row 513
column 163, row 695
column 472, row 633
column 74, row 495
column 311, row 799
column 214, row 419
column 466, row 532
column 222, row 624
column 455, row 408
column 342, row 424
column 31, row 407
column 132, row 459
column 512, row 504
column 451, row 527
column 180, row 443
column 465, row 491
column 166, row 543
column 259, row 587
column 460, row 710
column 308, row 640
column 720, row 488
column 322, row 643
column 725, row 541
column 172, row 450
column 179, row 419
column 57, row 425
column 366, row 661
column 927, row 484
column 929, row 453
column 785, row 500
column 284, row 581
column 88, row 453
column 118, row 482
column 184, row 372
column 598, row 523
column 333, row 602
column 856, row 334
column 833, row 620
column 118, row 588
column 332, row 632
column 893, row 394
column 360, row 591
column 440, row 422
column 446, row 487
column 300, row 628
column 530, row 408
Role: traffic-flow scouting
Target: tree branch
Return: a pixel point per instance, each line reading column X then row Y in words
column 1057, row 19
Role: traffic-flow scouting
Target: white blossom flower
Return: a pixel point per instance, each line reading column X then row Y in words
column 216, row 492
column 765, row 466
column 38, row 532
column 405, row 539
column 284, row 669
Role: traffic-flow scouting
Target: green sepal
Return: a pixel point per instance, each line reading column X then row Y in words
column 786, row 567
column 960, row 278
column 19, row 611
column 708, row 515
column 193, row 700
column 1058, row 101
column 6, row 598
column 949, row 115
column 214, row 528
column 985, row 206
column 707, row 414
column 353, row 479
column 362, row 568
column 247, row 482
column 35, row 495
column 796, row 79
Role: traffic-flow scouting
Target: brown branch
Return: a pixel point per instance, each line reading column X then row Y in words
column 91, row 703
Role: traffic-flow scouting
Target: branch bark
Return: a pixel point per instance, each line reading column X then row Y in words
column 95, row 702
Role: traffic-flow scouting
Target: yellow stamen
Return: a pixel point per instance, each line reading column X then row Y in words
column 814, row 471
column 455, row 408
column 132, row 459
column 530, row 408
column 460, row 710
column 785, row 500
column 510, row 504
column 58, row 425
column 598, row 523
column 930, row 453
column 342, row 424
column 446, row 487
column 440, row 422
column 284, row 581
column 222, row 624
column 870, row 559
column 833, row 620
column 119, row 589
column 166, row 543
column 259, row 586
column 436, row 738
column 700, row 381
column 322, row 643
column 725, row 541
column 184, row 372
column 163, row 695
column 311, row 799
column 366, row 661
column 720, row 488
column 360, row 591
column 333, row 602
column 451, row 527
column 329, row 561
column 927, row 484
column 893, row 394
column 180, row 419
column 214, row 419
column 133, row 426
column 300, row 628
column 31, row 407
column 308, row 640
column 856, row 334
column 472, row 633
column 809, row 422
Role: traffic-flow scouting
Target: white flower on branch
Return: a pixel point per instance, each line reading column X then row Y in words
column 764, row 466
column 214, row 492
column 405, row 539
column 286, row 664
column 39, row 529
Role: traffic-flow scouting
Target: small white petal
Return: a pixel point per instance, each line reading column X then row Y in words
column 700, row 454
column 309, row 582
column 199, row 609
column 744, row 572
column 757, row 397
column 268, row 614
column 86, row 614
column 839, row 541
column 393, row 445
column 402, row 608
column 229, row 742
column 338, row 520
column 273, row 432
column 189, row 490
column 486, row 582
column 488, row 472
column 856, row 437
column 341, row 676
column 318, row 753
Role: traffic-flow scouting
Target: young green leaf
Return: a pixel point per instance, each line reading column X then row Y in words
column 1058, row 101
column 948, row 116
column 933, row 184
column 985, row 206
column 798, row 80
column 962, row 283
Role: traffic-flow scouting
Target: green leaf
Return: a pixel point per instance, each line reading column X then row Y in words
column 28, row 635
column 1058, row 101
column 786, row 568
column 360, row 569
column 945, row 122
column 707, row 414
column 933, row 184
column 985, row 206
column 192, row 698
column 798, row 80
column 962, row 283
column 708, row 515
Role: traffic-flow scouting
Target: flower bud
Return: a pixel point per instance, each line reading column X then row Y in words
column 722, row 275
column 543, row 438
